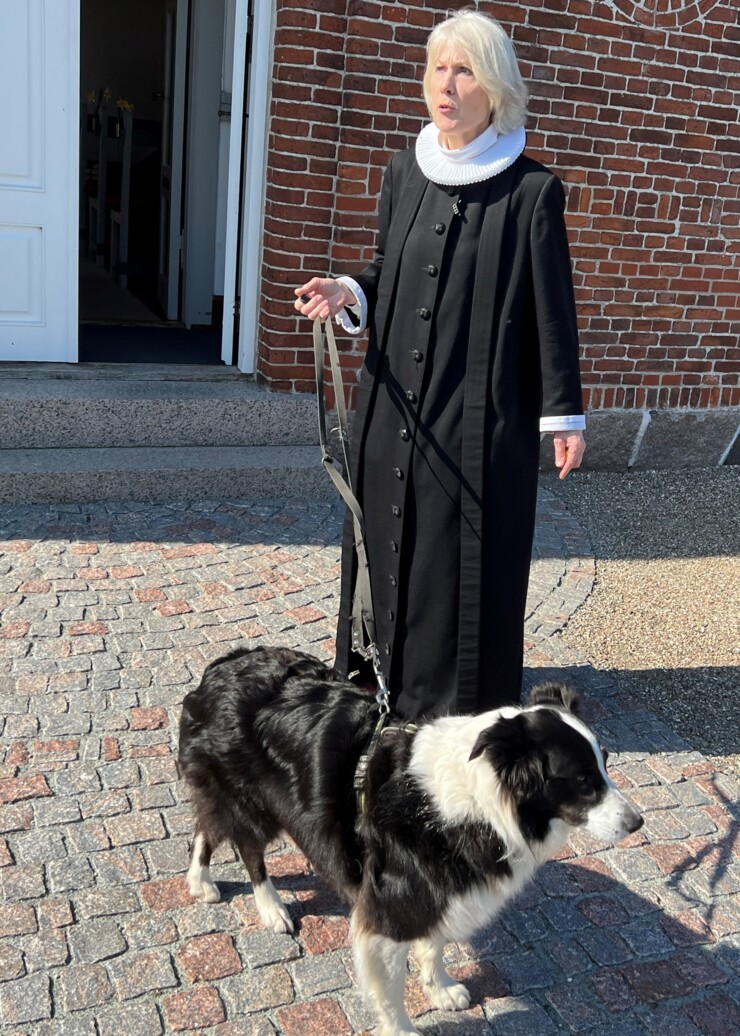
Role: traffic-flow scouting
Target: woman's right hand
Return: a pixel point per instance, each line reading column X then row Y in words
column 326, row 298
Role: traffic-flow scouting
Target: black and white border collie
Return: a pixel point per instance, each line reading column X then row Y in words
column 458, row 816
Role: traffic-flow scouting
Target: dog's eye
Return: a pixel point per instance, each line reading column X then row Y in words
column 581, row 778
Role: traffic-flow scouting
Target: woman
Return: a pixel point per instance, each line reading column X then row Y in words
column 473, row 350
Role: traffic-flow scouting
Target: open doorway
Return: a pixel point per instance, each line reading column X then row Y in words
column 154, row 138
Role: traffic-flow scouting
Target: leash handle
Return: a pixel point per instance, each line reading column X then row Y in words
column 363, row 615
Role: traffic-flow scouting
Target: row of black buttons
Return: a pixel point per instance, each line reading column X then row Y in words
column 416, row 354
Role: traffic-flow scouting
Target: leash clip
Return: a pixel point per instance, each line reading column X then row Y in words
column 383, row 695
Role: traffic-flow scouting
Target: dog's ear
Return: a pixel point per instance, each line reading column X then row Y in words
column 556, row 694
column 513, row 754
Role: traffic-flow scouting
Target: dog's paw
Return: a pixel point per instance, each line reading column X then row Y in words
column 276, row 918
column 207, row 891
column 454, row 997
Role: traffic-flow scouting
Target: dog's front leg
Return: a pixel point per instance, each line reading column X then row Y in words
column 380, row 964
column 442, row 990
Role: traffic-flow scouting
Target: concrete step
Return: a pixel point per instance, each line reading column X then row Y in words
column 154, row 475
column 112, row 409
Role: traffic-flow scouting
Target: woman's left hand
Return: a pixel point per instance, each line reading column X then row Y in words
column 569, row 450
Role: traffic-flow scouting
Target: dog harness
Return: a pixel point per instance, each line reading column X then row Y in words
column 360, row 781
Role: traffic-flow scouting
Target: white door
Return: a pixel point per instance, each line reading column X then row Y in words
column 39, row 165
column 173, row 138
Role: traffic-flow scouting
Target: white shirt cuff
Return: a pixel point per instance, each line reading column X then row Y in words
column 360, row 310
column 573, row 423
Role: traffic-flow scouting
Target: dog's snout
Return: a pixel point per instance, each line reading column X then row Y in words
column 634, row 822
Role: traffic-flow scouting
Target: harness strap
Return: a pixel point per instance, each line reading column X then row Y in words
column 363, row 616
column 363, row 763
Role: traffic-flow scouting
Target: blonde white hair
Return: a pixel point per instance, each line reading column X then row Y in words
column 490, row 53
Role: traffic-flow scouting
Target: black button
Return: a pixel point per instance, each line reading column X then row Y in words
column 396, row 510
column 432, row 271
column 405, row 434
column 418, row 356
column 439, row 228
column 394, row 546
column 411, row 396
column 393, row 580
column 398, row 473
column 425, row 314
column 391, row 616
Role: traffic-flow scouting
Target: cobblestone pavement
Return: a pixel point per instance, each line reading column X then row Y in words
column 109, row 615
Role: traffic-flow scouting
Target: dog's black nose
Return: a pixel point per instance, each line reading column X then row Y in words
column 636, row 823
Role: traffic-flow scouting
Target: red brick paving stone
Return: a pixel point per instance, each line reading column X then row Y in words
column 149, row 751
column 192, row 550
column 14, row 630
column 304, row 614
column 16, row 789
column 17, row 754
column 126, row 571
column 415, row 999
column 149, row 718
column 135, row 828
column 208, row 957
column 55, row 747
column 612, row 989
column 715, row 1015
column 91, row 575
column 591, row 874
column 698, row 769
column 17, row 919
column 35, row 586
column 322, row 934
column 482, row 979
column 699, row 969
column 111, row 749
column 213, row 589
column 602, row 910
column 658, row 981
column 318, row 1018
column 87, row 629
column 193, row 1009
column 173, row 608
column 671, row 858
column 166, row 894
column 145, row 596
column 687, row 929
column 84, row 548
column 725, row 825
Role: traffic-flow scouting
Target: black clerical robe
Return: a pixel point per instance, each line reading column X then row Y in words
column 472, row 337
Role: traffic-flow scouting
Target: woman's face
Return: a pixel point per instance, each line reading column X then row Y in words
column 460, row 107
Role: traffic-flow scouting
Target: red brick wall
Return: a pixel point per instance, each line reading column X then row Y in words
column 633, row 104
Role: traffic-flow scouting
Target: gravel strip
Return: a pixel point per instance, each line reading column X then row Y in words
column 664, row 616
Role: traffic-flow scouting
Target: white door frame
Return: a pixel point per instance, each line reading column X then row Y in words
column 251, row 203
column 39, row 186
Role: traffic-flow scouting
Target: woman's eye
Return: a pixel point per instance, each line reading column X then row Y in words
column 465, row 71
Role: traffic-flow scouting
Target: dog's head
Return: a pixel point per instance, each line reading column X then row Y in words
column 553, row 768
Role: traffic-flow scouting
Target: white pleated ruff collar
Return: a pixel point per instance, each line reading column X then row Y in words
column 484, row 157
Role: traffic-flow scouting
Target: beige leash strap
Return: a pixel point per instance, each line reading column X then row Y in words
column 363, row 616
